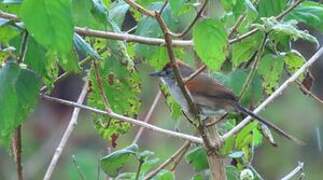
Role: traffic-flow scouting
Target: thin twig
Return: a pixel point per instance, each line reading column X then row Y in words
column 147, row 117
column 189, row 27
column 172, row 59
column 67, row 133
column 289, row 9
column 195, row 73
column 308, row 92
column 279, row 17
column 163, row 7
column 139, row 8
column 78, row 168
column 17, row 151
column 178, row 159
column 275, row 94
column 17, row 139
column 66, row 74
column 121, row 36
column 295, row 171
column 23, row 47
column 171, row 159
column 253, row 68
column 234, row 28
column 125, row 119
column 139, row 169
column 101, row 87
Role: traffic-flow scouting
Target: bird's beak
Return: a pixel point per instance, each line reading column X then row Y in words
column 156, row 74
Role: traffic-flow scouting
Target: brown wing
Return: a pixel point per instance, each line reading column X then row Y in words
column 211, row 94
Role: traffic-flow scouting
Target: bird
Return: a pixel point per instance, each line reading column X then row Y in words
column 209, row 96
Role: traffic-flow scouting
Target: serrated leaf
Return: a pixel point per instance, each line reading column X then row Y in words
column 19, row 90
column 211, row 42
column 242, row 51
column 267, row 8
column 287, row 28
column 242, row 139
column 53, row 25
column 308, row 12
column 197, row 157
column 111, row 163
column 294, row 60
column 271, row 68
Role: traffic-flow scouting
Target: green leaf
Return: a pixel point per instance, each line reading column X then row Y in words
column 235, row 81
column 164, row 175
column 121, row 85
column 211, row 42
column 197, row 157
column 310, row 13
column 287, row 28
column 99, row 11
column 244, row 133
column 294, row 60
column 176, row 5
column 83, row 16
column 232, row 173
column 149, row 27
column 242, row 51
column 267, row 8
column 19, row 90
column 271, row 68
column 7, row 31
column 116, row 160
column 53, row 26
column 118, row 11
column 41, row 63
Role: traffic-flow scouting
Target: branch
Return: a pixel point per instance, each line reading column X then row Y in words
column 295, row 171
column 189, row 27
column 100, row 86
column 253, row 68
column 114, row 35
column 139, row 8
column 125, row 119
column 17, row 150
column 67, row 134
column 148, row 116
column 275, row 94
column 171, row 159
column 172, row 60
column 279, row 17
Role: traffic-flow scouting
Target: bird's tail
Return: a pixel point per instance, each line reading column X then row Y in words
column 269, row 124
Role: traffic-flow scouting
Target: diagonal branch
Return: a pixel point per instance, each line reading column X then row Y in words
column 275, row 94
column 67, row 134
column 172, row 158
column 125, row 119
column 148, row 116
column 189, row 27
column 139, row 8
column 290, row 175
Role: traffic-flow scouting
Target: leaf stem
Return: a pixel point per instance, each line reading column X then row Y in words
column 139, row 169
